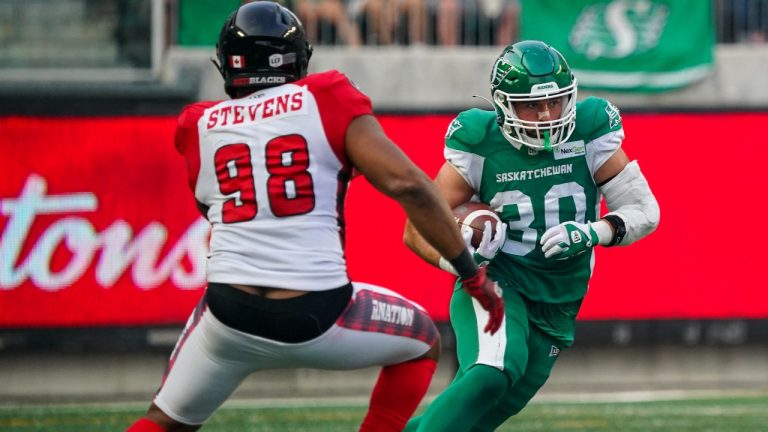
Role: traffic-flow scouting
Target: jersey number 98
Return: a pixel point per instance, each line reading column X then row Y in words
column 289, row 186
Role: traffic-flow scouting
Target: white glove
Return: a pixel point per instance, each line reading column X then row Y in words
column 490, row 244
column 570, row 239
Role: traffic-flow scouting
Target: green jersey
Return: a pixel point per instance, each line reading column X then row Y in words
column 533, row 191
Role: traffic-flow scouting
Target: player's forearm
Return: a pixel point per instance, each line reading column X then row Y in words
column 431, row 231
column 416, row 243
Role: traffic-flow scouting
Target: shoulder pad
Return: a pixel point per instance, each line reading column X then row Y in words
column 191, row 113
column 329, row 79
column 186, row 124
column 597, row 117
column 469, row 128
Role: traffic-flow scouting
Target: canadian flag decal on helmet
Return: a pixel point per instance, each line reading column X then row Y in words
column 236, row 61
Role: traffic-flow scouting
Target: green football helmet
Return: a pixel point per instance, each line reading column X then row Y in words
column 533, row 71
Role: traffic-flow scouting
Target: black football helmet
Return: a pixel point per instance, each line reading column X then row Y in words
column 262, row 44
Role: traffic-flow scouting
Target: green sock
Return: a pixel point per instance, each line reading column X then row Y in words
column 464, row 401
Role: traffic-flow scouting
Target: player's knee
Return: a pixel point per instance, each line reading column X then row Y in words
column 493, row 382
column 157, row 416
column 513, row 410
column 434, row 350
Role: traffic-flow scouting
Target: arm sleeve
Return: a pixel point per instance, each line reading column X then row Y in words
column 629, row 197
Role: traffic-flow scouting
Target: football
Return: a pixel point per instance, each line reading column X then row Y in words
column 474, row 215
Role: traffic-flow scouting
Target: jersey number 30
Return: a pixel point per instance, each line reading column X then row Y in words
column 289, row 186
column 517, row 202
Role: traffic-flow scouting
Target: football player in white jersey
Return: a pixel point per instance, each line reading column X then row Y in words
column 269, row 169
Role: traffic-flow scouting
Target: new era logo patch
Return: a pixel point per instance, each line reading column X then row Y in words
column 554, row 351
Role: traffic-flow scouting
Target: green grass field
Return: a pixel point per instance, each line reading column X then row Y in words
column 710, row 414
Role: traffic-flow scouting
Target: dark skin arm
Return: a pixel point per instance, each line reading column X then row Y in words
column 455, row 190
column 390, row 171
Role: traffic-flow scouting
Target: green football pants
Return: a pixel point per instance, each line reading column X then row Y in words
column 519, row 351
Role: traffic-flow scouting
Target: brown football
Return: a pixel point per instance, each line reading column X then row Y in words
column 474, row 215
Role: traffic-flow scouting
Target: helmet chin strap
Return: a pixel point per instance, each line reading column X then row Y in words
column 492, row 105
column 218, row 66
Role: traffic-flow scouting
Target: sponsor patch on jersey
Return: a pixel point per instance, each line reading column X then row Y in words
column 453, row 127
column 570, row 149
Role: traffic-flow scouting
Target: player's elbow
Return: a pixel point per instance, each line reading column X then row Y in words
column 407, row 189
column 654, row 214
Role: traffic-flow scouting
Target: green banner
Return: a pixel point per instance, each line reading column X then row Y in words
column 628, row 45
column 200, row 21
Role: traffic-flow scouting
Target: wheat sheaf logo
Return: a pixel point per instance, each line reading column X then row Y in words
column 618, row 29
column 500, row 70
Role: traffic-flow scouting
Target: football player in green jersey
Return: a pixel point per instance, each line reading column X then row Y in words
column 543, row 162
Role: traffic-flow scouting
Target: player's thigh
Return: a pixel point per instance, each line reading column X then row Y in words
column 506, row 349
column 379, row 327
column 199, row 378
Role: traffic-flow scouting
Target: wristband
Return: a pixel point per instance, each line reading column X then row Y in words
column 618, row 226
column 445, row 265
column 464, row 264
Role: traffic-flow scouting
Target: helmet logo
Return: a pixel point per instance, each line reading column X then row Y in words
column 276, row 60
column 500, row 70
column 236, row 61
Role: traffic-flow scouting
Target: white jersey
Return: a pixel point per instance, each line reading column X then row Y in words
column 272, row 171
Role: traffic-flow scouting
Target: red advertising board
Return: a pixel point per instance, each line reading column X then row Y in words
column 98, row 227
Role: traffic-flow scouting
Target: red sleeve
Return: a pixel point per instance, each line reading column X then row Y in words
column 339, row 102
column 187, row 139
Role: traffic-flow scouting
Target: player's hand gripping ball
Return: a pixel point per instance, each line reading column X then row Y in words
column 482, row 229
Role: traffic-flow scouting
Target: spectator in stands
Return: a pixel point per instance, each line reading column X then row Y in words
column 384, row 21
column 476, row 18
column 449, row 16
column 415, row 12
column 315, row 13
column 506, row 16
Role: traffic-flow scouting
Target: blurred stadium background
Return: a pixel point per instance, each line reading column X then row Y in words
column 102, row 252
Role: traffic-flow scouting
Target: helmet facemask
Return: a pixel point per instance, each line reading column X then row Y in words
column 532, row 71
column 544, row 134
